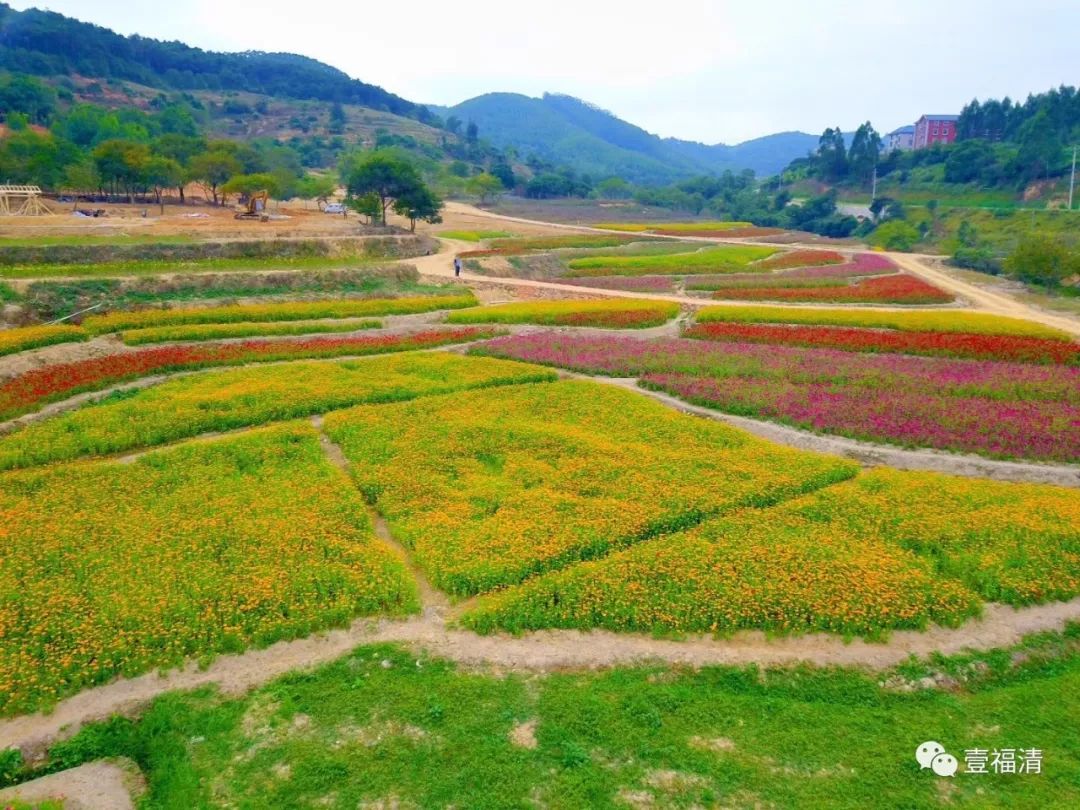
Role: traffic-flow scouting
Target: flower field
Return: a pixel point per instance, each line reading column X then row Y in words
column 473, row 236
column 942, row 344
column 977, row 323
column 802, row 258
column 608, row 314
column 294, row 311
column 720, row 259
column 899, row 288
column 219, row 331
column 863, row 264
column 677, row 227
column 527, row 479
column 998, row 409
column 34, row 337
column 653, row 284
column 32, row 389
column 234, row 398
column 577, row 240
column 114, row 569
column 885, row 550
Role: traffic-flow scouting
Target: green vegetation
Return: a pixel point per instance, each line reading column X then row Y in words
column 216, row 331
column 610, row 314
column 721, row 259
column 148, row 268
column 381, row 726
column 224, row 400
column 474, row 236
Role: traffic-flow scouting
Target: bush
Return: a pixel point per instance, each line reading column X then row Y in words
column 977, row 258
column 895, row 235
column 1043, row 260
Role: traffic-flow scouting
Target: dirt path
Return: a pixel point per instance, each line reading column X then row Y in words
column 103, row 785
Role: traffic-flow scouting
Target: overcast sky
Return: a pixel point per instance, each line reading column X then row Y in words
column 721, row 71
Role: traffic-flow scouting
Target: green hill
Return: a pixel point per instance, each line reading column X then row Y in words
column 566, row 130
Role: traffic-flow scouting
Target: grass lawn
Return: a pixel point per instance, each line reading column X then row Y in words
column 386, row 728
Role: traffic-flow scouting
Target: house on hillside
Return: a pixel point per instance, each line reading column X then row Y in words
column 931, row 129
column 902, row 139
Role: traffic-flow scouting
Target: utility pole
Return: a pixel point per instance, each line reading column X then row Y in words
column 873, row 187
column 1072, row 180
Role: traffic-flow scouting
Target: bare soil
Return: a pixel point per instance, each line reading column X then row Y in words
column 103, row 785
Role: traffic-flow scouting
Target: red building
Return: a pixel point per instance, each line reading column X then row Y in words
column 931, row 129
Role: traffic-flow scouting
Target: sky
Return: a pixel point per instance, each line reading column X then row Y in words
column 717, row 72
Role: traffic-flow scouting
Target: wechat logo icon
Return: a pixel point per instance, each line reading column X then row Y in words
column 933, row 755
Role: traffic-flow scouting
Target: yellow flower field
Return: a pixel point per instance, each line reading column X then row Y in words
column 885, row 550
column 219, row 331
column 488, row 488
column 234, row 398
column 610, row 314
column 33, row 337
column 291, row 311
column 113, row 569
column 937, row 320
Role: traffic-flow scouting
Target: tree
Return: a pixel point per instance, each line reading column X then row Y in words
column 385, row 175
column 26, row 95
column 968, row 160
column 338, row 121
column 614, row 188
column 162, row 173
column 81, row 178
column 485, row 187
column 122, row 164
column 832, row 155
column 211, row 169
column 1040, row 147
column 1043, row 260
column 366, row 205
column 419, row 203
column 472, row 132
column 505, row 172
column 895, row 234
column 181, row 148
column 865, row 150
column 245, row 185
column 318, row 187
column 453, row 125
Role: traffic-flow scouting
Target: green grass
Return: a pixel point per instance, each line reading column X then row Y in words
column 219, row 331
column 682, row 227
column 225, row 400
column 145, row 268
column 607, row 314
column 8, row 295
column 722, row 259
column 474, row 236
column 383, row 727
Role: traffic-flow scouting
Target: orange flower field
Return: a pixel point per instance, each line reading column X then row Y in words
column 110, row 569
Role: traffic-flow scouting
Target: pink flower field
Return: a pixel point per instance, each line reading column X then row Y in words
column 997, row 409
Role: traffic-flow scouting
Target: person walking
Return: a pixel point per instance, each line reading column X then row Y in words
column 457, row 267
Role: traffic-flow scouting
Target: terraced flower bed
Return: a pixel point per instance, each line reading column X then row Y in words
column 899, row 288
column 227, row 399
column 527, row 479
column 941, row 344
column 884, row 550
column 34, row 337
column 653, row 284
column 997, row 409
column 219, row 331
column 293, row 311
column 977, row 323
column 864, row 264
column 803, row 258
column 608, row 314
column 720, row 259
column 115, row 569
column 32, row 389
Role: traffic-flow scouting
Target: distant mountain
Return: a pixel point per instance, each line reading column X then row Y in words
column 566, row 130
column 48, row 44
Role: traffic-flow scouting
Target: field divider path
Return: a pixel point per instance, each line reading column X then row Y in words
column 867, row 453
column 433, row 602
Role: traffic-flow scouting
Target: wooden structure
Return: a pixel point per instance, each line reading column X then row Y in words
column 21, row 201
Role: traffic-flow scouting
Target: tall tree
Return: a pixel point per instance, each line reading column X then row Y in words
column 832, row 155
column 864, row 153
column 419, row 203
column 212, row 169
column 162, row 173
column 387, row 176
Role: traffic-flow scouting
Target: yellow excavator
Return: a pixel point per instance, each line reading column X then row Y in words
column 255, row 208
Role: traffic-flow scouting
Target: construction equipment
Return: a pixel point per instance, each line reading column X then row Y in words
column 256, row 207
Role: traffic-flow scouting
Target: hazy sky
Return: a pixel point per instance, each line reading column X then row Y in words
column 725, row 71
